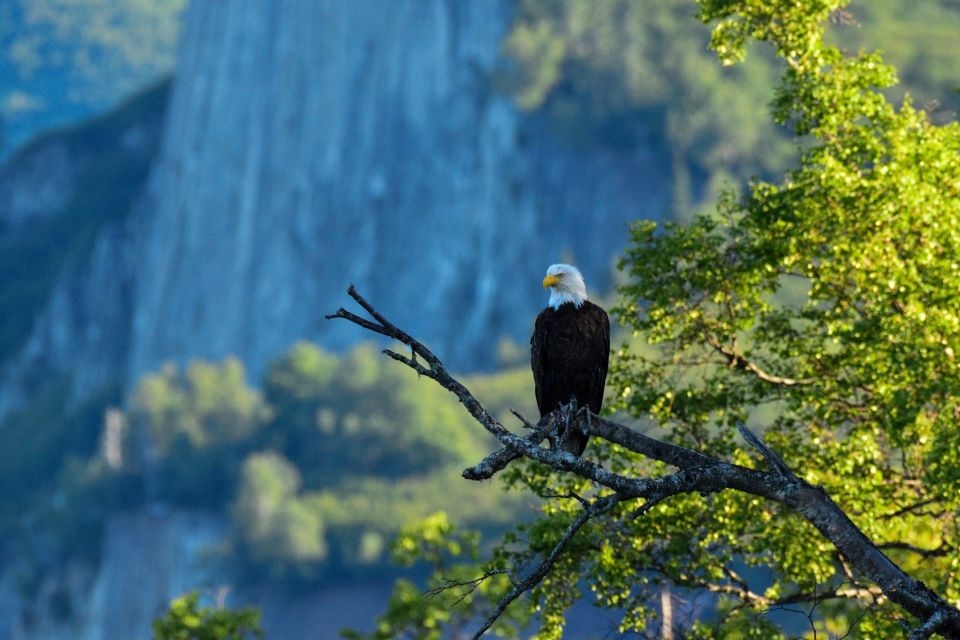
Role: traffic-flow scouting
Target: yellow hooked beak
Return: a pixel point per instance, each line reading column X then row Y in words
column 549, row 281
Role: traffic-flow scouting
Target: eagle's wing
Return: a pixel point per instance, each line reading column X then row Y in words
column 543, row 373
column 601, row 347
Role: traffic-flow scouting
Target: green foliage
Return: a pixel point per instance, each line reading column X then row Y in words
column 455, row 594
column 187, row 620
column 200, row 424
column 918, row 38
column 207, row 404
column 324, row 467
column 363, row 513
column 362, row 416
column 620, row 73
column 274, row 523
column 828, row 296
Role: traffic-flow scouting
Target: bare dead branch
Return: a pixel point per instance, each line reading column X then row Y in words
column 736, row 360
column 495, row 462
column 674, row 455
column 775, row 461
column 525, row 422
column 410, row 362
column 499, row 459
column 934, row 624
column 696, row 473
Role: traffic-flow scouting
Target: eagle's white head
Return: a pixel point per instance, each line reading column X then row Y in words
column 566, row 284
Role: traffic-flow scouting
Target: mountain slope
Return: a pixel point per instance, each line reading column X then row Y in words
column 369, row 147
column 65, row 201
column 312, row 145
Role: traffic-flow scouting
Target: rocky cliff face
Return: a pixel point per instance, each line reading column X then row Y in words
column 148, row 559
column 312, row 145
column 36, row 185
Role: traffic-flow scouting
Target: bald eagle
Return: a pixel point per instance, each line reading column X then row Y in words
column 569, row 349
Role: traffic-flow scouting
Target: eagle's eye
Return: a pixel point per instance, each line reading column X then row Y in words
column 560, row 275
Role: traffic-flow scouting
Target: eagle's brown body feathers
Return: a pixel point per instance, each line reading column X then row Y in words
column 569, row 353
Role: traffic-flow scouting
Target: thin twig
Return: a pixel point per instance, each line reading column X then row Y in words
column 596, row 508
column 471, row 585
column 853, row 625
column 737, row 361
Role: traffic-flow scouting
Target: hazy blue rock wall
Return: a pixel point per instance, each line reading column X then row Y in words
column 310, row 145
column 67, row 241
column 37, row 185
column 148, row 559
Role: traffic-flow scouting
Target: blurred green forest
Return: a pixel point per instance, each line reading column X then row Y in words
column 317, row 469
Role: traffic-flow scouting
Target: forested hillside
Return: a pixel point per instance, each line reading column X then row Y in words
column 317, row 466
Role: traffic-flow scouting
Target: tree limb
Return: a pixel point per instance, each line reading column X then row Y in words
column 937, row 622
column 696, row 473
column 737, row 586
column 499, row 459
column 736, row 360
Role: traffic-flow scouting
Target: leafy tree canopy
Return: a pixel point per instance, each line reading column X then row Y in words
column 453, row 556
column 275, row 524
column 207, row 404
column 187, row 620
